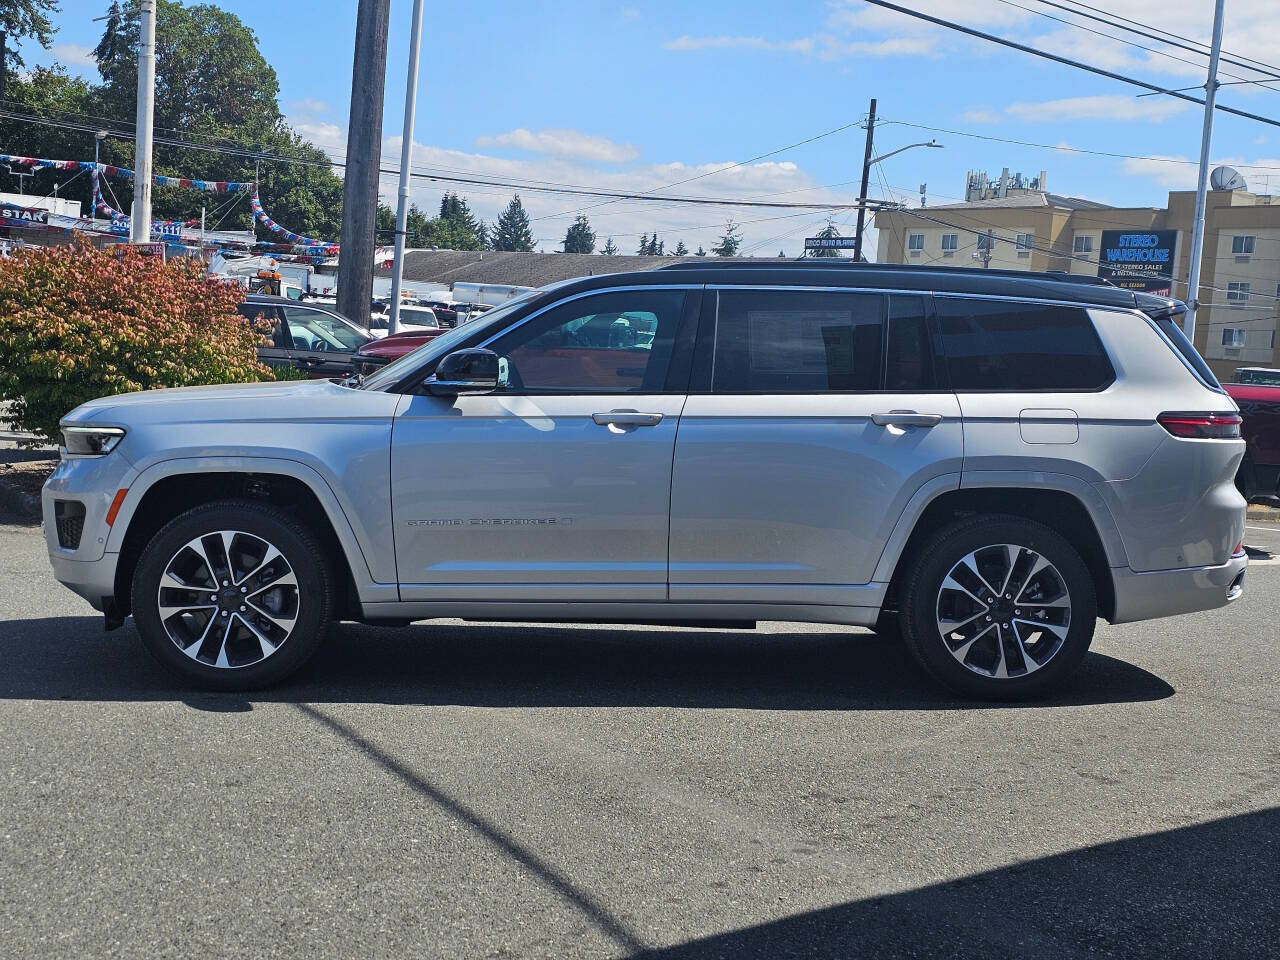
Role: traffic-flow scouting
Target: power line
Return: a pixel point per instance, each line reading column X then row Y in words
column 613, row 196
column 1131, row 43
column 1067, row 61
column 1150, row 36
column 1064, row 148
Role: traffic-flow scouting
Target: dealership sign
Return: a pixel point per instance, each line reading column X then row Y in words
column 1139, row 260
column 12, row 216
column 829, row 243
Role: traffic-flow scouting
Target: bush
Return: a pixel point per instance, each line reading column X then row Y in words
column 77, row 323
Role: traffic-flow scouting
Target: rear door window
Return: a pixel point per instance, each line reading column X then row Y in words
column 909, row 360
column 995, row 346
column 797, row 341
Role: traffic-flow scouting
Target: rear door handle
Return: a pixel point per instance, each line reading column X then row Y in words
column 627, row 418
column 906, row 418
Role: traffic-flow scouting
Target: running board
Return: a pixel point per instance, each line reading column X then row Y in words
column 703, row 624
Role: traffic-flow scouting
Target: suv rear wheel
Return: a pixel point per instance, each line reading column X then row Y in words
column 998, row 608
column 232, row 595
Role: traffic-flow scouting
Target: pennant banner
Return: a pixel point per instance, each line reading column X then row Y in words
column 160, row 180
column 309, row 245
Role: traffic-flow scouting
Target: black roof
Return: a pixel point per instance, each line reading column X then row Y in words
column 1054, row 285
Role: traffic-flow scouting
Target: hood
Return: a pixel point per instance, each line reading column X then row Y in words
column 397, row 344
column 194, row 404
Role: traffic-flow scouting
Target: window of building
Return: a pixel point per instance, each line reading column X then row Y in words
column 995, row 347
column 1025, row 242
column 1232, row 337
column 1238, row 292
column 607, row 343
column 950, row 242
column 1242, row 245
column 775, row 341
column 1082, row 243
column 915, row 242
column 986, row 242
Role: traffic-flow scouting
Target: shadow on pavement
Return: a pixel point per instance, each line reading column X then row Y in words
column 1211, row 890
column 503, row 665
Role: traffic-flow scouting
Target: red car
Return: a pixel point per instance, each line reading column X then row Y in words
column 378, row 353
column 1259, row 473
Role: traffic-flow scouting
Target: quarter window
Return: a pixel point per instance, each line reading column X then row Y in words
column 618, row 342
column 797, row 342
column 994, row 347
column 1242, row 245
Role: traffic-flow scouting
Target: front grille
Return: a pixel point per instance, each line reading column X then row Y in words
column 68, row 516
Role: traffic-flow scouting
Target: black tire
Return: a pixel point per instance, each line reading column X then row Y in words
column 921, row 597
column 301, row 550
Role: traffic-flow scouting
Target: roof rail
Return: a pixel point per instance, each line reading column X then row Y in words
column 833, row 263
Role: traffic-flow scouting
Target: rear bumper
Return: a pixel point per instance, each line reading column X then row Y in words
column 1168, row 593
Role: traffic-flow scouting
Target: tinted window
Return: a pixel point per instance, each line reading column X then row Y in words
column 994, row 346
column 269, row 317
column 776, row 341
column 1189, row 353
column 908, row 355
column 608, row 343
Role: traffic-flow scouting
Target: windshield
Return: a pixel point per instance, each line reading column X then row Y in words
column 445, row 343
column 315, row 329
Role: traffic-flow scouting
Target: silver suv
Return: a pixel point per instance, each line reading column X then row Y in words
column 982, row 462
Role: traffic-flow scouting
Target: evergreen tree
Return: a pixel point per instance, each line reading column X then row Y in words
column 782, row 255
column 457, row 228
column 681, row 250
column 27, row 18
column 610, row 248
column 580, row 238
column 658, row 247
column 701, row 252
column 730, row 240
column 512, row 231
column 644, row 245
column 828, row 232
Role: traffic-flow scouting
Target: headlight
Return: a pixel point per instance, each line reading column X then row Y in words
column 91, row 441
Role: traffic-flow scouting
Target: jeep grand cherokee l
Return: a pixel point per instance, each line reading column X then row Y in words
column 982, row 462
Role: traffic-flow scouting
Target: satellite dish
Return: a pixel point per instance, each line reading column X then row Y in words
column 1227, row 178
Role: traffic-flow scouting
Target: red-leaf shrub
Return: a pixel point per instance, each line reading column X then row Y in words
column 77, row 323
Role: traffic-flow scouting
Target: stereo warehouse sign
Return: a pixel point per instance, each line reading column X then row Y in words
column 1139, row 260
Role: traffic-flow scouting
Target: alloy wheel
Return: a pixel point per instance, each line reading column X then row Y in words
column 1003, row 611
column 228, row 599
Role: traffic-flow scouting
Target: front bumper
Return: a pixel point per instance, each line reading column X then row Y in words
column 95, row 580
column 1169, row 593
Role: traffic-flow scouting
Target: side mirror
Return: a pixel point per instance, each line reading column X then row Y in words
column 463, row 372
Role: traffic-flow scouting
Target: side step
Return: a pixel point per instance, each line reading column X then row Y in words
column 695, row 624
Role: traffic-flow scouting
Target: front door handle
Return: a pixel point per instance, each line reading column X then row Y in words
column 906, row 418
column 627, row 418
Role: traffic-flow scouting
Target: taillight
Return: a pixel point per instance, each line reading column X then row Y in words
column 1202, row 426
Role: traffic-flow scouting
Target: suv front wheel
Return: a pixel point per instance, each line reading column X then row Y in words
column 232, row 595
column 998, row 608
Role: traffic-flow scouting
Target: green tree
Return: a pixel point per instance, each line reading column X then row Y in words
column 681, row 250
column 457, row 228
column 701, row 252
column 610, row 248
column 643, row 249
column 730, row 240
column 580, row 238
column 42, row 92
column 27, row 18
column 214, row 86
column 656, row 246
column 828, row 232
column 782, row 255
column 512, row 231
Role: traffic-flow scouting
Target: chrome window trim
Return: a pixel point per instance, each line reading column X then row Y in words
column 1080, row 304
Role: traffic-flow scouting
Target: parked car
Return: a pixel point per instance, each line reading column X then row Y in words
column 982, row 461
column 411, row 318
column 378, row 353
column 1259, row 473
column 307, row 336
column 446, row 311
column 1260, row 375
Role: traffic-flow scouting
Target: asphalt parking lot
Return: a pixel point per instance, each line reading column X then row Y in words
column 472, row 790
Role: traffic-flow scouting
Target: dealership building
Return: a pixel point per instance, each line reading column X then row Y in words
column 1014, row 223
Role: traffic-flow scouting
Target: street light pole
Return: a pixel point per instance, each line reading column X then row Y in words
column 866, row 174
column 406, row 158
column 98, row 137
column 1202, row 181
column 140, row 214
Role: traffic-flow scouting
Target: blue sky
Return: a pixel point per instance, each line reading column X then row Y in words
column 637, row 96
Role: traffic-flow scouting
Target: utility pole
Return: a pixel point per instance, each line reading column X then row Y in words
column 406, row 158
column 140, row 215
column 1202, row 182
column 866, row 174
column 98, row 137
column 986, row 250
column 364, row 149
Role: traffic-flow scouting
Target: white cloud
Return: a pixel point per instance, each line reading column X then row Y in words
column 73, row 55
column 630, row 13
column 1257, row 171
column 311, row 105
column 327, row 136
column 981, row 115
column 1108, row 107
column 729, row 42
column 563, row 143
